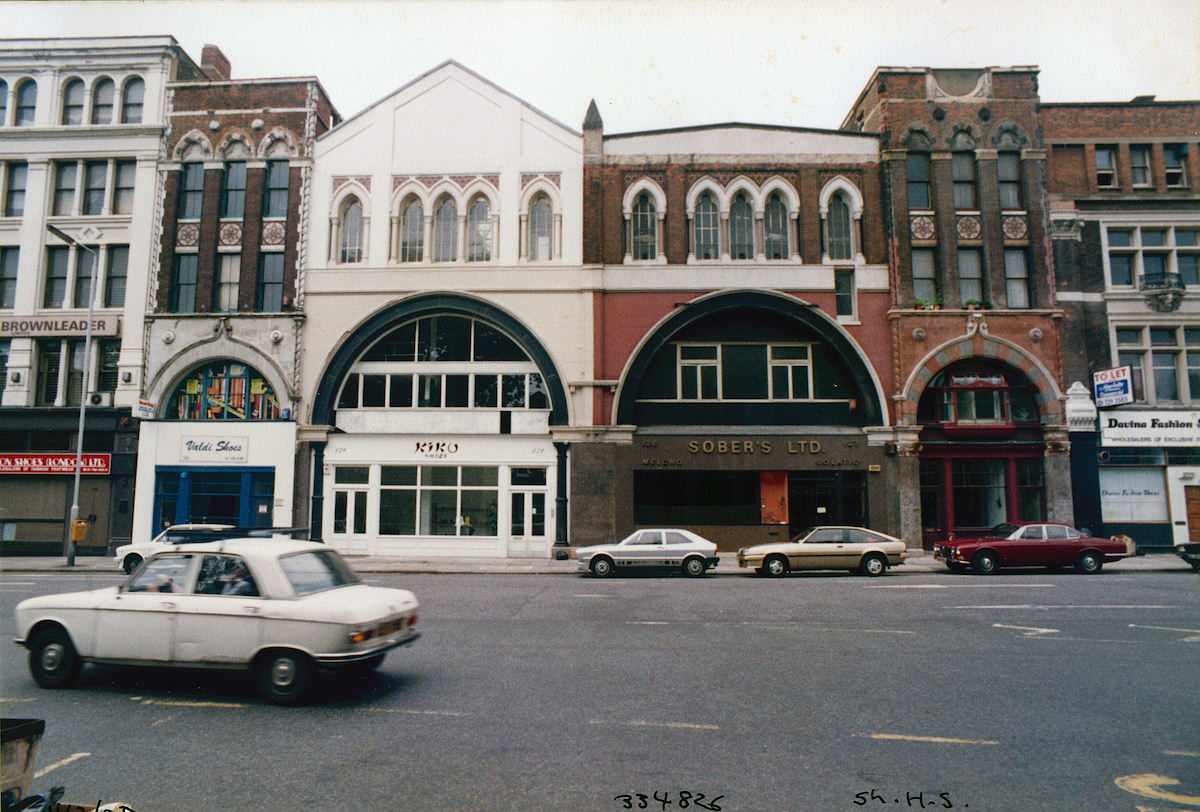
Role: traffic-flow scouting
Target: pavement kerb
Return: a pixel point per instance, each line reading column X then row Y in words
column 916, row 563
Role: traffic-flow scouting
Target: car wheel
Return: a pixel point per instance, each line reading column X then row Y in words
column 1089, row 563
column 873, row 565
column 775, row 566
column 283, row 676
column 131, row 562
column 601, row 567
column 694, row 567
column 53, row 661
column 986, row 562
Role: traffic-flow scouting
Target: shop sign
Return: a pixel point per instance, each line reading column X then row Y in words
column 1144, row 428
column 1113, row 386
column 55, row 326
column 54, row 464
column 1133, row 495
column 214, row 449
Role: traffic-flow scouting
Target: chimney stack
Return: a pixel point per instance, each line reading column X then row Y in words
column 214, row 63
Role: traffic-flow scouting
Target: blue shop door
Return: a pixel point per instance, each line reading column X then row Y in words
column 241, row 497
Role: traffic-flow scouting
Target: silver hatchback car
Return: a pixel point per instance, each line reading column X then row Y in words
column 670, row 550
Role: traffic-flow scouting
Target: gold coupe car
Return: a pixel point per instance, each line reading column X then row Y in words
column 826, row 548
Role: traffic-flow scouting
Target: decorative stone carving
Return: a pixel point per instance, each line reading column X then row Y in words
column 1164, row 300
column 922, row 227
column 1036, row 335
column 231, row 234
column 969, row 227
column 274, row 233
column 188, row 235
column 1015, row 227
column 918, row 334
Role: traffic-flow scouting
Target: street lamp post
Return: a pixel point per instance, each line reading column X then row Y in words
column 69, row 544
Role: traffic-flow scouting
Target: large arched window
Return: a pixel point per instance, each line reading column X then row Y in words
column 73, row 98
column 644, row 228
column 225, row 390
column 104, row 96
column 741, row 227
column 479, row 231
column 445, row 231
column 412, row 232
column 350, row 246
column 775, row 227
column 706, row 228
column 133, row 97
column 541, row 229
column 3, row 102
column 839, row 230
column 26, row 103
column 978, row 396
column 444, row 362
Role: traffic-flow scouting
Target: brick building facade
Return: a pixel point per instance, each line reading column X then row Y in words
column 218, row 438
column 1124, row 206
column 975, row 328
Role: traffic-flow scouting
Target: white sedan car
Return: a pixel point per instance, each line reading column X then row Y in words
column 672, row 550
column 128, row 556
column 277, row 608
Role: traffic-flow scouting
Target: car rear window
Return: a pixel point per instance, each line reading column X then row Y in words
column 315, row 571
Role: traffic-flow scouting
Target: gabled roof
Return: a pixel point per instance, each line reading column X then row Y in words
column 450, row 63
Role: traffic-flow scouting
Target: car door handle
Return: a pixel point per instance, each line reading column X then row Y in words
column 168, row 604
column 251, row 610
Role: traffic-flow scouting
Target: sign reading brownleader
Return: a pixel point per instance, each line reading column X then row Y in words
column 54, row 463
column 50, row 326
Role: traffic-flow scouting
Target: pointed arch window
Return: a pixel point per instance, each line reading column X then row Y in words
column 644, row 228
column 3, row 102
column 26, row 103
column 741, row 227
column 541, row 229
column 104, row 95
column 350, row 248
column 839, row 230
column 775, row 227
column 445, row 232
column 962, row 169
column 132, row 100
column 73, row 97
column 412, row 232
column 706, row 228
column 479, row 231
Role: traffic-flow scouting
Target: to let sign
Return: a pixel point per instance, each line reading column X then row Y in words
column 54, row 464
column 1113, row 386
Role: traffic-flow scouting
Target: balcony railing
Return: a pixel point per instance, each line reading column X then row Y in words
column 1161, row 281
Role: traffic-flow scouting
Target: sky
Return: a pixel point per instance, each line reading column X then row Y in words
column 666, row 63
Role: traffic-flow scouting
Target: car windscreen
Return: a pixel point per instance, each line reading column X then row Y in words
column 314, row 571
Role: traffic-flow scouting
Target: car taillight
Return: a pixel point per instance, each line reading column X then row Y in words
column 412, row 620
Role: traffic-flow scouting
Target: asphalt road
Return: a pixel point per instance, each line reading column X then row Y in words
column 1029, row 691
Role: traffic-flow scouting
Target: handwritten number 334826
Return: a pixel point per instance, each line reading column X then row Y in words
column 685, row 800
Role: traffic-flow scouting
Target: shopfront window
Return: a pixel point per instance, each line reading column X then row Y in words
column 438, row 500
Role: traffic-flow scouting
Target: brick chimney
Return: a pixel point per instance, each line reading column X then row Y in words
column 214, row 63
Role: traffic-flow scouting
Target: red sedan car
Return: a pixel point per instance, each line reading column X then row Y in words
column 1032, row 544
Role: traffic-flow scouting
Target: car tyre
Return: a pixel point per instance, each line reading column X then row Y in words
column 775, row 566
column 873, row 565
column 283, row 676
column 131, row 562
column 694, row 567
column 601, row 566
column 1089, row 563
column 53, row 660
column 986, row 563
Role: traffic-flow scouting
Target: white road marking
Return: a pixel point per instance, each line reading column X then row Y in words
column 418, row 712
column 962, row 586
column 865, row 631
column 640, row 723
column 590, row 595
column 1066, row 606
column 57, row 764
column 190, row 703
column 1030, row 631
column 927, row 739
column 2, row 700
column 646, row 623
column 1195, row 632
column 1186, row 753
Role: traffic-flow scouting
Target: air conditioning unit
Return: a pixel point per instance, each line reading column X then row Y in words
column 100, row 399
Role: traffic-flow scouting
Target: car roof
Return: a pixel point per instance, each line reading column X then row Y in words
column 252, row 547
